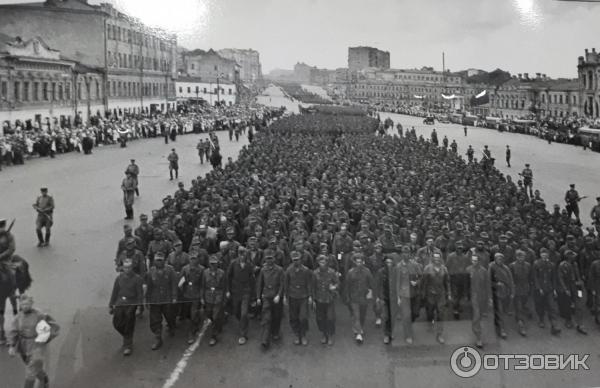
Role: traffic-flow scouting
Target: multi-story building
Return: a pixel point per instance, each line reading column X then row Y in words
column 302, row 72
column 37, row 83
column 137, row 63
column 196, row 90
column 249, row 61
column 406, row 87
column 209, row 65
column 363, row 57
column 588, row 70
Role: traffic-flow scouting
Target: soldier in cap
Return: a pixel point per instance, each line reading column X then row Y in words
column 145, row 233
column 570, row 292
column 44, row 206
column 436, row 290
column 30, row 333
column 173, row 159
column 480, row 294
column 544, row 284
column 522, row 276
column 127, row 294
column 269, row 295
column 161, row 294
column 127, row 235
column 408, row 284
column 298, row 291
column 190, row 284
column 213, row 297
column 527, row 175
column 128, row 186
column 134, row 170
column 241, row 284
column 425, row 254
column 358, row 290
column 572, row 199
column 595, row 214
column 325, row 286
column 386, row 296
column 503, row 291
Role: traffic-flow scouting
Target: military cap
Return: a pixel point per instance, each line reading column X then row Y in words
column 252, row 239
column 213, row 259
column 143, row 217
column 356, row 243
column 44, row 189
column 572, row 185
column 378, row 244
column 2, row 223
column 570, row 253
column 229, row 229
column 273, row 239
column 130, row 242
column 295, row 255
column 159, row 256
column 544, row 250
column 498, row 255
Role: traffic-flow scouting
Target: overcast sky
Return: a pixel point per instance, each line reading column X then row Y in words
column 520, row 36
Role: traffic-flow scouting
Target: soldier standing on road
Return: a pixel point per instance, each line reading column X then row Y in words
column 572, row 198
column 326, row 285
column 527, row 175
column 298, row 291
column 127, row 295
column 128, row 187
column 134, row 170
column 200, row 148
column 595, row 214
column 161, row 294
column 570, row 292
column 470, row 153
column 544, row 283
column 507, row 156
column 44, row 205
column 191, row 287
column 29, row 336
column 213, row 295
column 173, row 159
column 241, row 283
column 503, row 291
column 269, row 292
column 436, row 288
column 480, row 286
column 359, row 288
column 521, row 272
column 408, row 284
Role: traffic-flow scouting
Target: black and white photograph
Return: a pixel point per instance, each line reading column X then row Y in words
column 299, row 193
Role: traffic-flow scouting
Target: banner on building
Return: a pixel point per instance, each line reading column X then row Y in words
column 480, row 98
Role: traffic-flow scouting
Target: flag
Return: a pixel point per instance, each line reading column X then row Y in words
column 480, row 98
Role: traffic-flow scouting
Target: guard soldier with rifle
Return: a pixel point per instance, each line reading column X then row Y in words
column 572, row 198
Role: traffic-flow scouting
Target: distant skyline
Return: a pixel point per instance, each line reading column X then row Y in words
column 520, row 36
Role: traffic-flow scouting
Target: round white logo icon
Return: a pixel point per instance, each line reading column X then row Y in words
column 465, row 362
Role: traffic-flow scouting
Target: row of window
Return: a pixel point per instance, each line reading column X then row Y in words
column 135, row 89
column 409, row 88
column 426, row 78
column 204, row 90
column 123, row 34
column 26, row 91
column 558, row 99
column 128, row 61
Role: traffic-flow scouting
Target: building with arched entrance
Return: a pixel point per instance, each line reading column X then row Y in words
column 588, row 69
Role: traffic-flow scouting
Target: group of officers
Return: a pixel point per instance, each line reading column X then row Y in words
column 294, row 222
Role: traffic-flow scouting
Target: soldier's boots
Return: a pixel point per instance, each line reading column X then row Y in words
column 40, row 238
column 157, row 343
column 47, row 240
column 2, row 338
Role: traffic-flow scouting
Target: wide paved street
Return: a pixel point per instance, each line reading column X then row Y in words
column 554, row 166
column 73, row 278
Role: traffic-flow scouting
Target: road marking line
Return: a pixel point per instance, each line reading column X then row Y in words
column 182, row 364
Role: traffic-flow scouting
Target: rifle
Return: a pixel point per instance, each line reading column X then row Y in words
column 11, row 225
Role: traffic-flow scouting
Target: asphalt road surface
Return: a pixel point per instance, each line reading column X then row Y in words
column 73, row 279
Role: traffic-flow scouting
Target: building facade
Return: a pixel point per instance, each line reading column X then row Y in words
column 195, row 90
column 249, row 61
column 588, row 70
column 37, row 83
column 209, row 65
column 362, row 57
column 137, row 63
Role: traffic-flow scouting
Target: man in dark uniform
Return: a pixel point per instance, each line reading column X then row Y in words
column 508, row 156
column 470, row 153
column 298, row 291
column 269, row 294
column 213, row 297
column 134, row 170
column 145, row 232
column 161, row 294
column 503, row 291
column 126, row 296
column 544, row 283
column 527, row 175
column 325, row 286
column 436, row 290
column 173, row 159
column 29, row 337
column 595, row 214
column 570, row 292
column 191, row 287
column 572, row 199
column 408, row 284
column 521, row 273
column 241, row 283
column 44, row 205
column 128, row 187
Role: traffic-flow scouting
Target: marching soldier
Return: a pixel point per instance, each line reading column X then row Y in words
column 507, row 156
column 128, row 187
column 386, row 297
column 134, row 170
column 521, row 273
column 408, row 282
column 269, row 292
column 570, row 292
column 470, row 153
column 191, row 287
column 527, row 175
column 161, row 294
column 127, row 295
column 436, row 288
column 213, row 295
column 29, row 336
column 298, row 291
column 544, row 283
column 480, row 286
column 456, row 266
column 44, row 205
column 572, row 199
column 240, row 287
column 595, row 214
column 173, row 159
column 503, row 291
column 326, row 285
